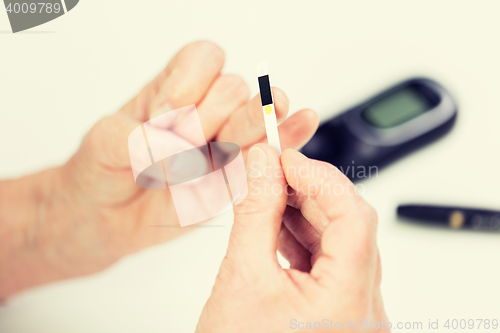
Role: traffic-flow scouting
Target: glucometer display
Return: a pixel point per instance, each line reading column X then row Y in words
column 265, row 90
column 396, row 108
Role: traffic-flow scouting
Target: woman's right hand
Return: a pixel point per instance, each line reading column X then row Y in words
column 327, row 232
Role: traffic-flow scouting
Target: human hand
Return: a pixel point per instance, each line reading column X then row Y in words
column 89, row 212
column 328, row 234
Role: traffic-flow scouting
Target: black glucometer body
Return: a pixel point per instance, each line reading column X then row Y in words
column 384, row 128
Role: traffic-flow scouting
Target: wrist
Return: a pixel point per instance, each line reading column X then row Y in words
column 23, row 207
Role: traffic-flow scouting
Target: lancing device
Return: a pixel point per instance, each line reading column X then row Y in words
column 453, row 217
column 268, row 110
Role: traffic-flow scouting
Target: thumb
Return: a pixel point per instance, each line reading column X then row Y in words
column 107, row 142
column 257, row 220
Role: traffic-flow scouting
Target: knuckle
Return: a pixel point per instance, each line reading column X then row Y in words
column 378, row 273
column 324, row 269
column 335, row 173
column 100, row 130
column 364, row 249
column 239, row 279
column 178, row 94
column 248, row 206
column 256, row 207
column 367, row 212
column 234, row 86
column 230, row 276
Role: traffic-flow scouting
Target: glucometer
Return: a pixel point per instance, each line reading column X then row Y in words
column 268, row 110
column 384, row 128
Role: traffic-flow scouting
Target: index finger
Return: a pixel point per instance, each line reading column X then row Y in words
column 246, row 125
column 184, row 81
column 329, row 202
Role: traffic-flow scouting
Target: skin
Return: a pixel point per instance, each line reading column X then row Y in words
column 81, row 217
column 329, row 237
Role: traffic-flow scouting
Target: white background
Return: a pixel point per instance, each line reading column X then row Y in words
column 58, row 79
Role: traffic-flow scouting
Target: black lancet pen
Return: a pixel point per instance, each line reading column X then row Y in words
column 453, row 217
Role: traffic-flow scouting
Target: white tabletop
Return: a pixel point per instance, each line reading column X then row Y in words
column 58, row 79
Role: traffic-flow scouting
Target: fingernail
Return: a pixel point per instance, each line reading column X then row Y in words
column 286, row 100
column 256, row 163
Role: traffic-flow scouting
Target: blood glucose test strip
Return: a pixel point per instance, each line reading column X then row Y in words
column 268, row 110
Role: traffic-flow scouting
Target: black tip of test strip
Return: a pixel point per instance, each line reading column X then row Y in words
column 265, row 90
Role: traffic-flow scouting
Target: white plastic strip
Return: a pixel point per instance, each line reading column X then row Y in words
column 269, row 112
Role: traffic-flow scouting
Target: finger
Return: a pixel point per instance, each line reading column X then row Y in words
column 103, row 160
column 303, row 232
column 346, row 222
column 349, row 253
column 138, row 107
column 192, row 72
column 322, row 192
column 378, row 276
column 107, row 141
column 228, row 93
column 183, row 82
column 110, row 144
column 246, row 126
column 296, row 254
column 257, row 218
column 297, row 130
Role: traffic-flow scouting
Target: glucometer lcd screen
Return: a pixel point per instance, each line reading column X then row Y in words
column 265, row 90
column 396, row 108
